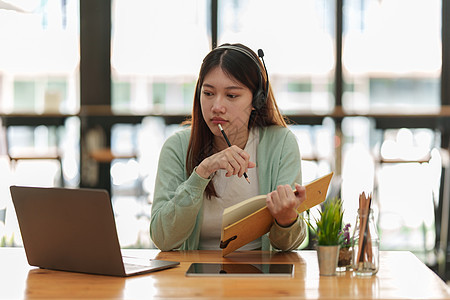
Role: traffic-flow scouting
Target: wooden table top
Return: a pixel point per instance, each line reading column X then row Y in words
column 401, row 276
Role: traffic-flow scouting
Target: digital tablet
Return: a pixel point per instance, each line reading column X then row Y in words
column 232, row 269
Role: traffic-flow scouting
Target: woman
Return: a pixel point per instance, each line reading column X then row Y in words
column 199, row 174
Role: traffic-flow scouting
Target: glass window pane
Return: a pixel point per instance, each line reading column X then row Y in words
column 39, row 56
column 392, row 55
column 157, row 49
column 298, row 42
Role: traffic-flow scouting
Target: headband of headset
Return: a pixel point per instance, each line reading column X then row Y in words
column 260, row 95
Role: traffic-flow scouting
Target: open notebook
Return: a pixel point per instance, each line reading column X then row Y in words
column 74, row 230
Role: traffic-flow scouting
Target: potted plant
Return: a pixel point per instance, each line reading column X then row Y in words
column 328, row 231
column 345, row 250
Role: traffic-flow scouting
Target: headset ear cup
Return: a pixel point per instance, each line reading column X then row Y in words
column 259, row 100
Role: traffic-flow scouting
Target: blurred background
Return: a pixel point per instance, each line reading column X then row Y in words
column 90, row 90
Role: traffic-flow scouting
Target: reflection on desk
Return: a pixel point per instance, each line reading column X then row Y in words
column 401, row 276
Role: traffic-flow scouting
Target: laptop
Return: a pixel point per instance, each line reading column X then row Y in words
column 74, row 230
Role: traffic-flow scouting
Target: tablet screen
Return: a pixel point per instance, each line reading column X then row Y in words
column 217, row 269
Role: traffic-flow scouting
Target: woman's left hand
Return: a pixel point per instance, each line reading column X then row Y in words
column 283, row 203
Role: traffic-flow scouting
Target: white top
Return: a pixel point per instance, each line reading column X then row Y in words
column 231, row 190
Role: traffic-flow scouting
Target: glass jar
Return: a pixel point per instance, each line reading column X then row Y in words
column 366, row 245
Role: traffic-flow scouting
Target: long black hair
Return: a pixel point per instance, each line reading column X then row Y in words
column 243, row 68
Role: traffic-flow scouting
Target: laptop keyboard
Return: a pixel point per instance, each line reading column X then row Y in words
column 136, row 264
column 132, row 268
column 138, row 261
column 143, row 265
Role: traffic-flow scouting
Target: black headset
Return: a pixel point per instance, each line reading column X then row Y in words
column 260, row 95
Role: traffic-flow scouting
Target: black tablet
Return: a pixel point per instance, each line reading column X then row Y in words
column 232, row 269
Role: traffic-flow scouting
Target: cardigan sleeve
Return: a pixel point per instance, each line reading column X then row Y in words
column 177, row 198
column 288, row 238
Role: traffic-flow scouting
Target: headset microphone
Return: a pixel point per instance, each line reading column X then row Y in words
column 261, row 55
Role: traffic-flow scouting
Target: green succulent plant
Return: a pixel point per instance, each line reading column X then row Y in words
column 328, row 227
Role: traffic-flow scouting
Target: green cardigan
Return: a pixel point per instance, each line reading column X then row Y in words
column 177, row 208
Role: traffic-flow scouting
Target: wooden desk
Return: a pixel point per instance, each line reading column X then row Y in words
column 401, row 276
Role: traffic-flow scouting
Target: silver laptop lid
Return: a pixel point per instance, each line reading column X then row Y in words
column 68, row 229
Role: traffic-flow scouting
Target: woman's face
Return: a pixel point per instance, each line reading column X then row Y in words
column 226, row 101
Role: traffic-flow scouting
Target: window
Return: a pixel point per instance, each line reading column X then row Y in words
column 39, row 56
column 392, row 55
column 298, row 42
column 156, row 54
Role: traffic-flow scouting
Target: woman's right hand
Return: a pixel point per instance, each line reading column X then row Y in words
column 232, row 159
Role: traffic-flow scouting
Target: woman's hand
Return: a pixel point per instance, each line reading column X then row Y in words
column 232, row 159
column 283, row 203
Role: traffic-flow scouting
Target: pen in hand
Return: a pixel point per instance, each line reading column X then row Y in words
column 229, row 145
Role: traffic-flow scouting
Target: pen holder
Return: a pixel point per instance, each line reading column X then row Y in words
column 366, row 244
